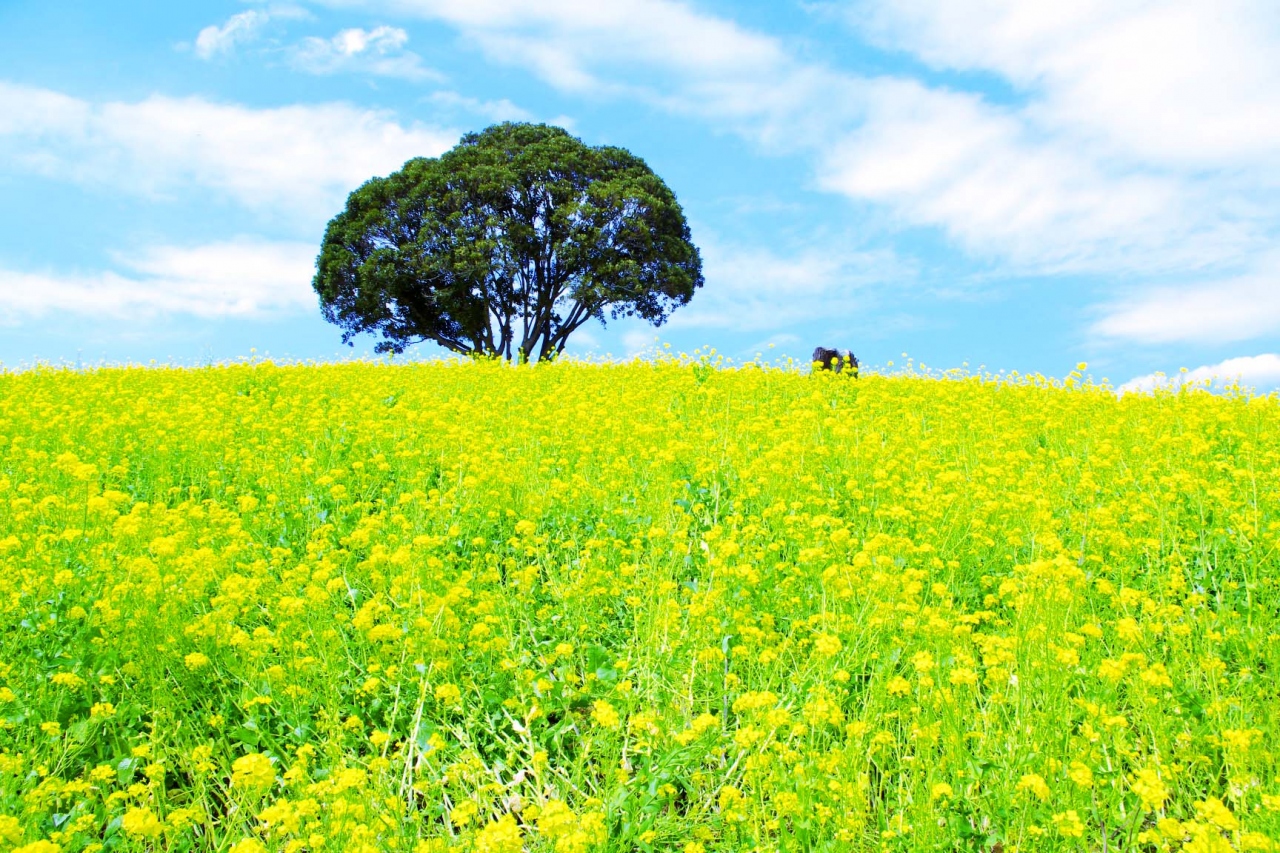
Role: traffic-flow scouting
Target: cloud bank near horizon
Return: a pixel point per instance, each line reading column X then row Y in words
column 245, row 278
column 1261, row 372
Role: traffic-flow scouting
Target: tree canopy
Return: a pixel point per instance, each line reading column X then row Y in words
column 505, row 245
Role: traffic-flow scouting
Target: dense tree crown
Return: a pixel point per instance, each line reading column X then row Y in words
column 505, row 245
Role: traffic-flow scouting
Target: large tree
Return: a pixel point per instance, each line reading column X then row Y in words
column 505, row 245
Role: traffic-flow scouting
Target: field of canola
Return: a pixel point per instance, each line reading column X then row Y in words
column 646, row 607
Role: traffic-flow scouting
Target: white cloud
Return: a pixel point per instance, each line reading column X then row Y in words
column 1176, row 82
column 239, row 278
column 379, row 51
column 576, row 34
column 754, row 289
column 692, row 62
column 1146, row 140
column 1040, row 184
column 1144, row 137
column 240, row 28
column 499, row 110
column 1236, row 308
column 1254, row 371
column 951, row 160
column 300, row 159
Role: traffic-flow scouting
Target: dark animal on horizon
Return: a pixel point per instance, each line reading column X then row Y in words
column 835, row 359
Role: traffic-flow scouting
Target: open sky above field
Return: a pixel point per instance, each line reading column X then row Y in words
column 1017, row 184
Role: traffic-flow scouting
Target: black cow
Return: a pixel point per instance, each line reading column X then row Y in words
column 835, row 359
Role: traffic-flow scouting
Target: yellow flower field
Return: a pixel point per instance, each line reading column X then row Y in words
column 653, row 606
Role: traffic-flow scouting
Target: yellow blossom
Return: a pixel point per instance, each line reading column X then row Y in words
column 501, row 836
column 248, row 845
column 1034, row 784
column 605, row 714
column 1080, row 774
column 1150, row 788
column 1212, row 810
column 253, row 772
column 141, row 822
column 1068, row 824
column 899, row 686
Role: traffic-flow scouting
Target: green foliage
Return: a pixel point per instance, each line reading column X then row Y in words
column 505, row 245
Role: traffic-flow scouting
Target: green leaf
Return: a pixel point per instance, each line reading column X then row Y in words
column 246, row 736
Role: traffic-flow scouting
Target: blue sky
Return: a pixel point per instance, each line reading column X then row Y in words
column 1022, row 185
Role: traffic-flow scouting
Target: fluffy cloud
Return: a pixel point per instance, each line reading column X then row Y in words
column 1176, row 82
column 1255, row 371
column 1067, row 178
column 1143, row 138
column 1236, row 308
column 241, row 27
column 379, row 51
column 499, row 110
column 1143, row 135
column 566, row 41
column 301, row 160
column 755, row 289
column 240, row 278
column 1034, row 185
column 950, row 160
column 689, row 61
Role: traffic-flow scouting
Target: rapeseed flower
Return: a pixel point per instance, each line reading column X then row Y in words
column 252, row 772
column 501, row 836
column 1068, row 824
column 1150, row 788
column 1079, row 773
column 141, row 822
column 401, row 608
column 248, row 845
column 1034, row 784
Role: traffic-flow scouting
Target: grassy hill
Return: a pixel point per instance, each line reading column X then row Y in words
column 654, row 606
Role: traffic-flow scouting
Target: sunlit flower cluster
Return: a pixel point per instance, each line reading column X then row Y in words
column 659, row 606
